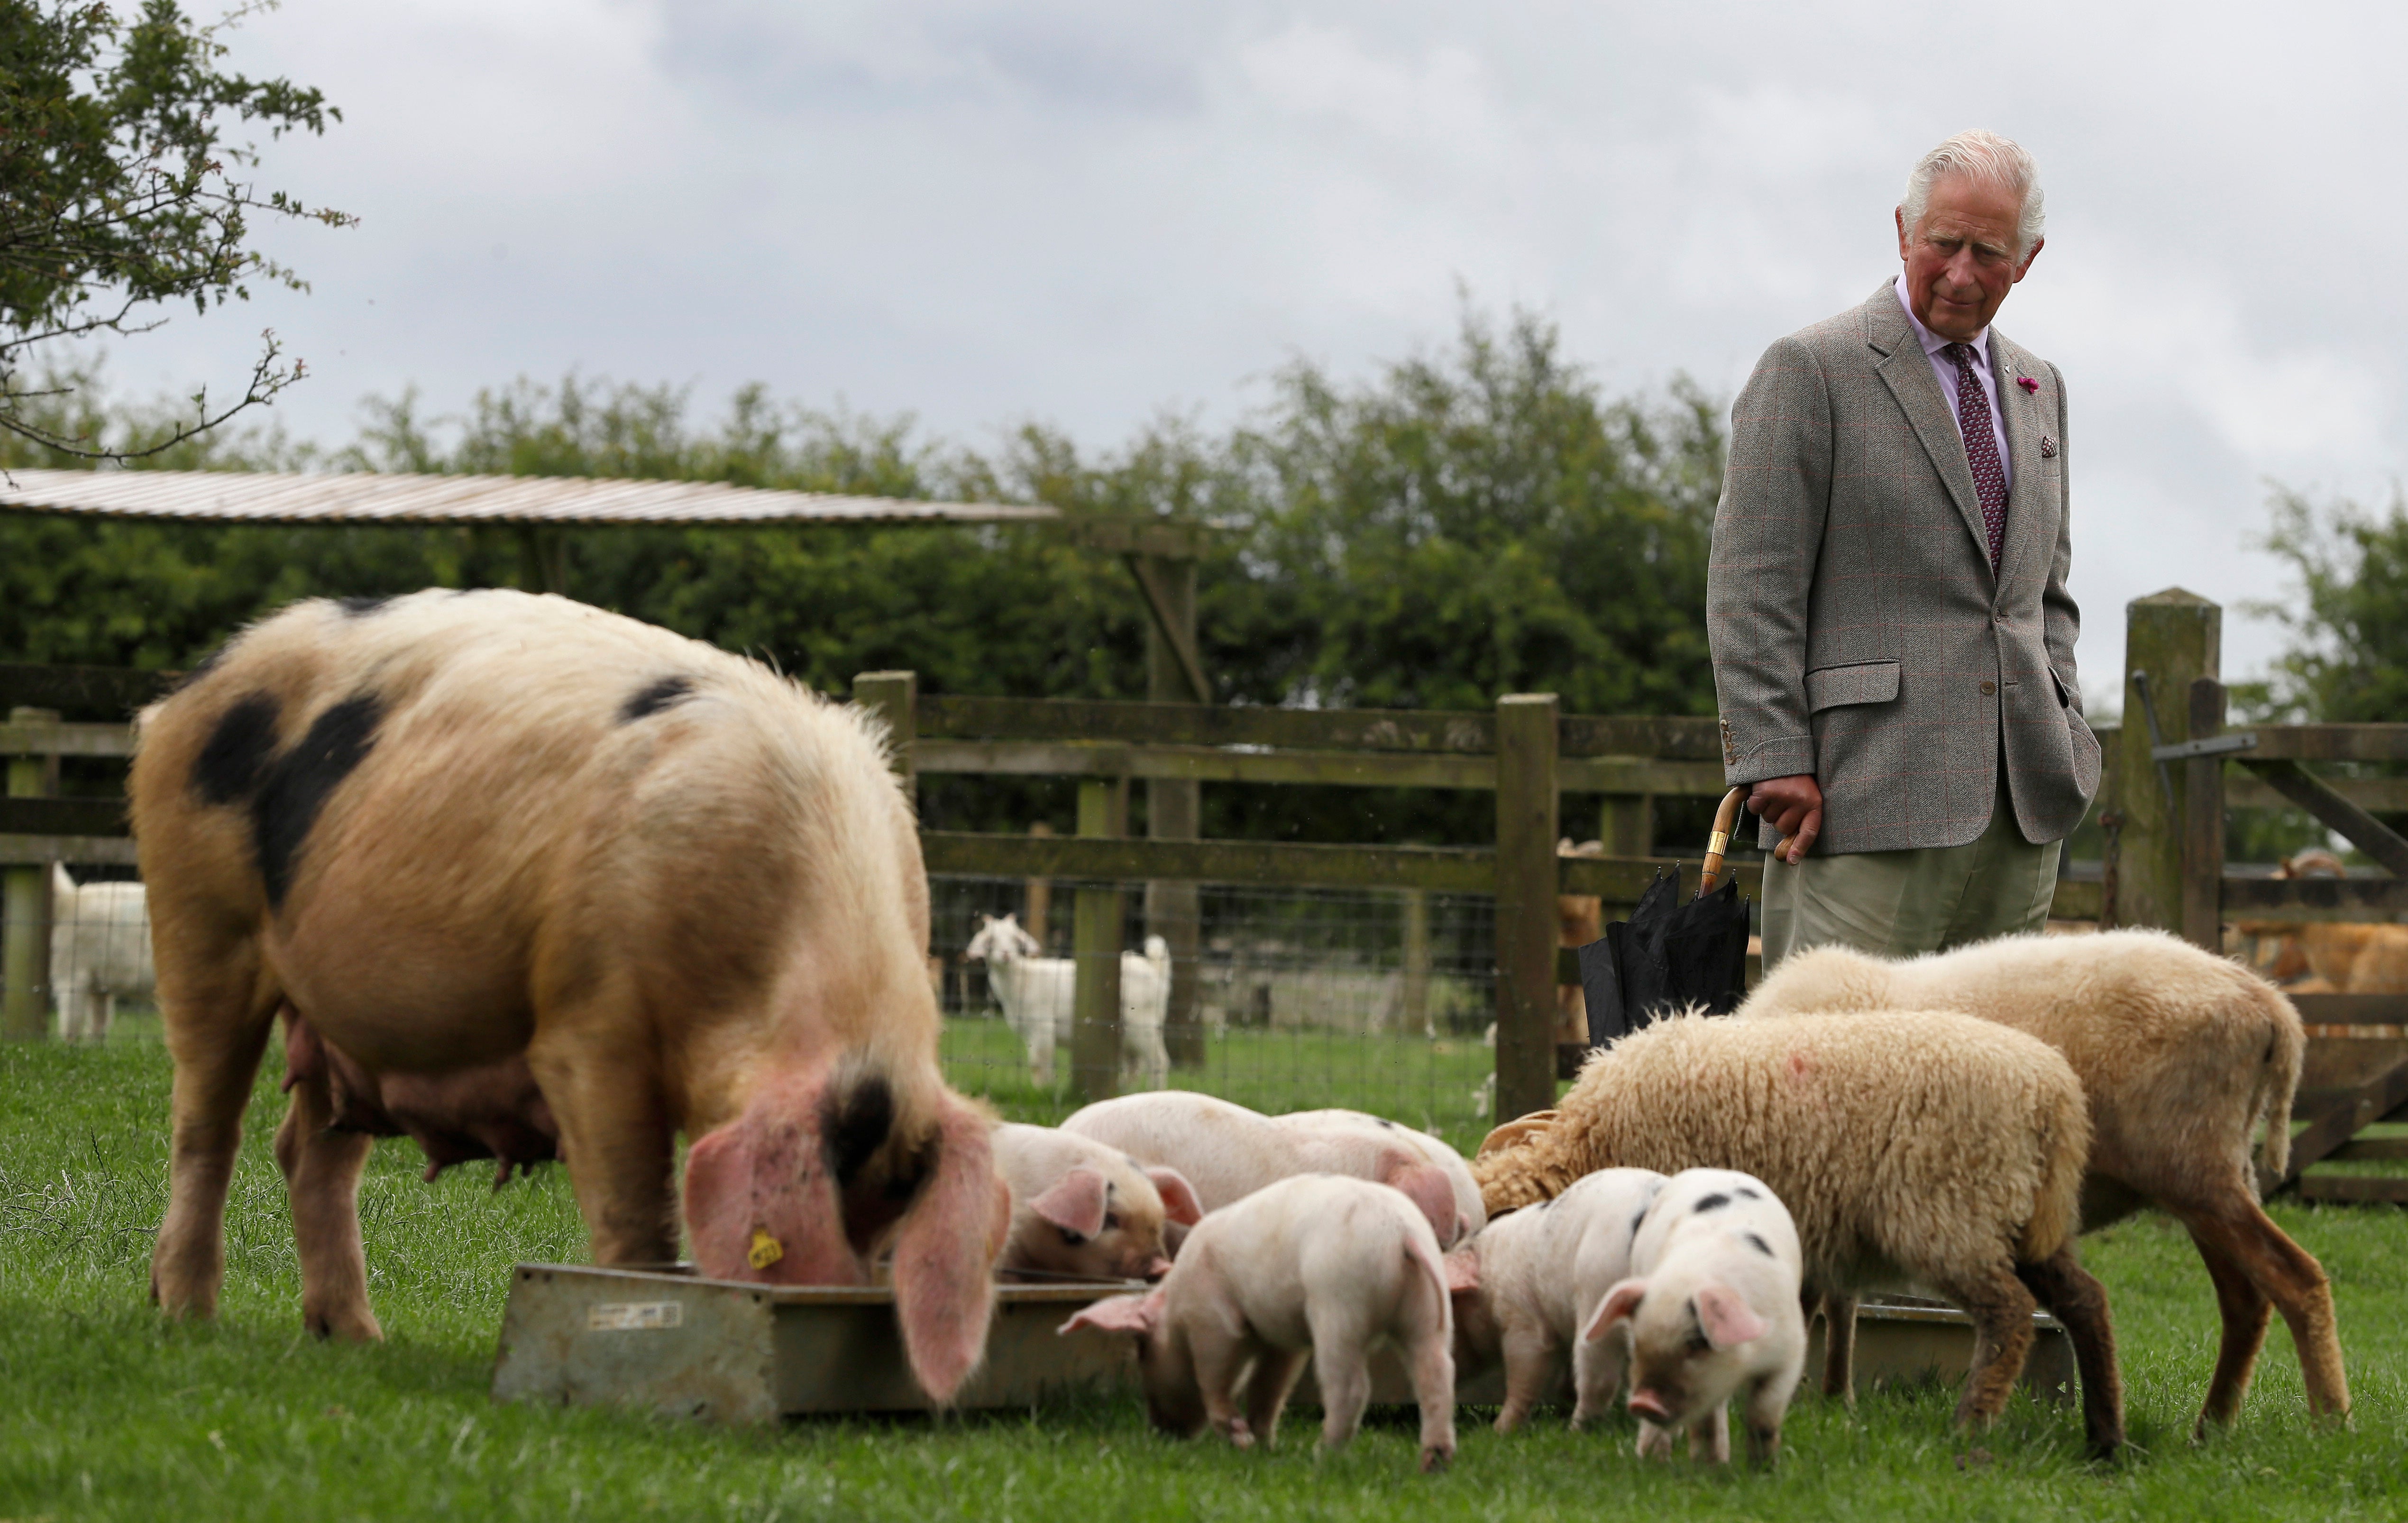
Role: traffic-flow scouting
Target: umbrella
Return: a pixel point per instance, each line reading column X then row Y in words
column 1670, row 956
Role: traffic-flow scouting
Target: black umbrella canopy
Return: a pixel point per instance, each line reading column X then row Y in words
column 1670, row 956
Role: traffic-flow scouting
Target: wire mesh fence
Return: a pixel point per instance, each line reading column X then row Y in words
column 1377, row 1001
column 93, row 928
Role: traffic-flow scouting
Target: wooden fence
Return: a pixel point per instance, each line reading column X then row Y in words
column 2172, row 773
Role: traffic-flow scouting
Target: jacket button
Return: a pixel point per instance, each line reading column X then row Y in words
column 1988, row 688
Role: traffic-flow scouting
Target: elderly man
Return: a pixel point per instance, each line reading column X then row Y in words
column 1893, row 641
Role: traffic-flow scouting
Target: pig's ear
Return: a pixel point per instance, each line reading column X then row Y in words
column 1620, row 1302
column 1179, row 1202
column 945, row 1253
column 1137, row 1314
column 1462, row 1272
column 1426, row 1186
column 1075, row 1203
column 1726, row 1320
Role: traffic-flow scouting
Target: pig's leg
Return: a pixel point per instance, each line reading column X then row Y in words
column 1529, row 1360
column 1344, row 1376
column 1654, row 1443
column 1275, row 1376
column 615, row 1137
column 216, row 1023
column 1597, row 1374
column 1710, row 1437
column 1433, row 1366
column 1767, row 1401
column 1839, row 1346
column 321, row 1177
column 1221, row 1358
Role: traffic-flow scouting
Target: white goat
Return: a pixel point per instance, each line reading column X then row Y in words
column 1036, row 995
column 100, row 952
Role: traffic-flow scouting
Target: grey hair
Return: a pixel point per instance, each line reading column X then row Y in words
column 1987, row 159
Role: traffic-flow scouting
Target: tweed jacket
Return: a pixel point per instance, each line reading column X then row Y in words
column 1857, row 630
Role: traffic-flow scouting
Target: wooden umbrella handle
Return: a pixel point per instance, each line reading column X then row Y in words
column 1726, row 818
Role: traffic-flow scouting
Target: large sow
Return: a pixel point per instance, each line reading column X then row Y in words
column 517, row 871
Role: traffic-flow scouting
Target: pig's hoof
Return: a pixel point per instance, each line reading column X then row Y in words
column 1435, row 1459
column 1241, row 1435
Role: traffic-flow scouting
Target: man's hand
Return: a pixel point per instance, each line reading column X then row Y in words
column 1794, row 807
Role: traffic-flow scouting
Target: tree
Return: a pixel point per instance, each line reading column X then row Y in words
column 121, row 194
column 2348, row 657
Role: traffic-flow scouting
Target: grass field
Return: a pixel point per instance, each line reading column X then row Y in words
column 113, row 1414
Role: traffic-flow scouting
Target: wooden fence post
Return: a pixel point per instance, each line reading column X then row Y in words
column 1097, row 917
column 894, row 697
column 1037, row 898
column 2202, row 901
column 25, row 950
column 1526, row 805
column 1174, row 807
column 1626, row 824
column 2174, row 638
column 1412, row 1001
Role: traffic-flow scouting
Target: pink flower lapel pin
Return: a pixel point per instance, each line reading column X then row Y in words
column 2027, row 383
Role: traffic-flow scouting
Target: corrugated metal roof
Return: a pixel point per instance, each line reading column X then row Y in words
column 235, row 497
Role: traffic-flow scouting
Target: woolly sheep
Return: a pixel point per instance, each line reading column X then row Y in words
column 1925, row 1147
column 2181, row 1055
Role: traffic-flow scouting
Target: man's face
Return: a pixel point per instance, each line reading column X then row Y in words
column 1961, row 261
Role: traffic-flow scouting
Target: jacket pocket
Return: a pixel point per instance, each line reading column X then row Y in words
column 1865, row 681
column 2064, row 688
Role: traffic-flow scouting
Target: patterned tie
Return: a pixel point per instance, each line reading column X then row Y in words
column 1981, row 447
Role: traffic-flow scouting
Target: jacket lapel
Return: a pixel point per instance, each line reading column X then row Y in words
column 2025, row 420
column 1907, row 370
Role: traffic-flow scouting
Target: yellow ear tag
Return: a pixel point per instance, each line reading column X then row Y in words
column 766, row 1250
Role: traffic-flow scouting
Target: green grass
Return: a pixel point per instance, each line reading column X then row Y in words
column 113, row 1414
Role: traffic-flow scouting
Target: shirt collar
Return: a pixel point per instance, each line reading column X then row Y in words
column 1932, row 342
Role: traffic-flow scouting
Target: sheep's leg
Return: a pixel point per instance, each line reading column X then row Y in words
column 104, row 1011
column 2001, row 1310
column 2288, row 1275
column 616, row 1138
column 2080, row 1302
column 321, row 1178
column 1839, row 1346
column 216, row 1030
column 2246, row 1313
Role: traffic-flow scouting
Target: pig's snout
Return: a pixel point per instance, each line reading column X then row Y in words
column 1652, row 1407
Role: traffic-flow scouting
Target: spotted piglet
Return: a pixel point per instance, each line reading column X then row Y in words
column 1082, row 1210
column 1527, row 1285
column 1316, row 1264
column 1710, row 1311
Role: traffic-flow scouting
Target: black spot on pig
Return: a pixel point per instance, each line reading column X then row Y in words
column 1748, row 1190
column 1758, row 1243
column 1711, row 1202
column 853, row 1126
column 298, row 784
column 652, row 699
column 359, row 607
column 237, row 752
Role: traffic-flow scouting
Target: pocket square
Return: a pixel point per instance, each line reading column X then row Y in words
column 2047, row 447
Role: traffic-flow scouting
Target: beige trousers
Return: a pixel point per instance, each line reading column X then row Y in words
column 1899, row 904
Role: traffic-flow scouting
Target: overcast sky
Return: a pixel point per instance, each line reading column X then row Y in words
column 1083, row 212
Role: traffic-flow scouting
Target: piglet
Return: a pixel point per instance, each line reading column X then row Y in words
column 1229, row 1152
column 1318, row 1265
column 1711, row 1308
column 1084, row 1211
column 1357, row 1143
column 1528, row 1285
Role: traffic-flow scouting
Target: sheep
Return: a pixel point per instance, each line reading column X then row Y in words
column 1928, row 1147
column 100, row 952
column 456, row 830
column 1036, row 994
column 2181, row 1055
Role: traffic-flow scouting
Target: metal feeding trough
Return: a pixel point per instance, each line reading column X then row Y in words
column 670, row 1342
